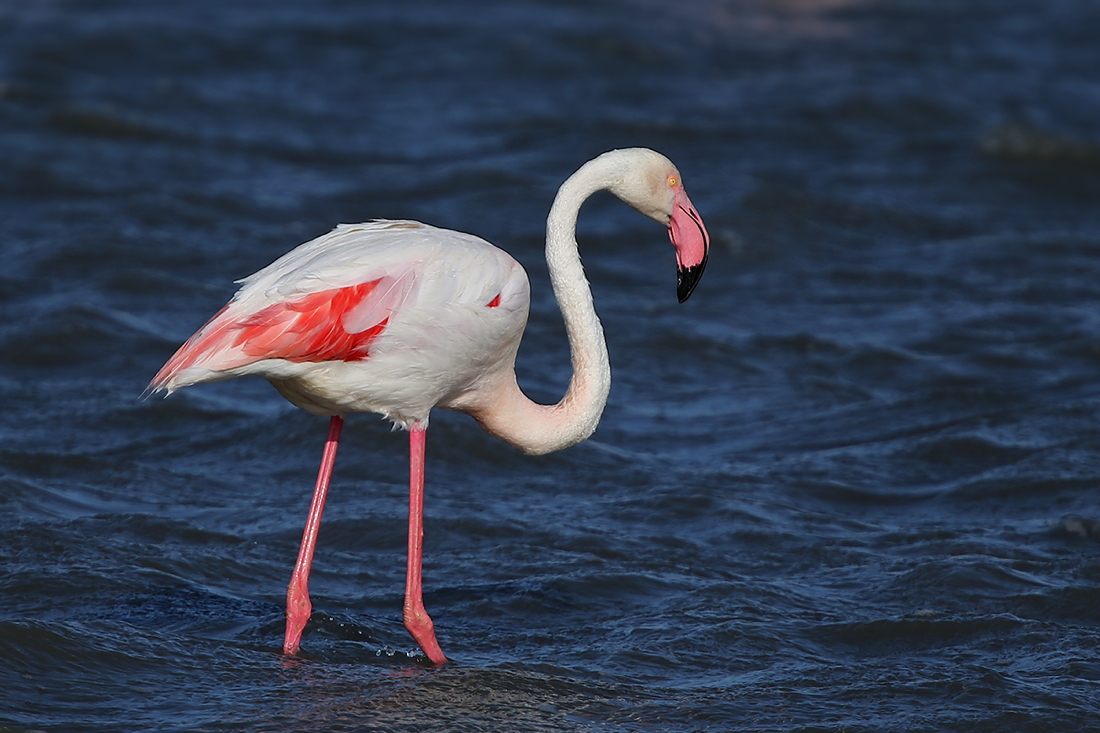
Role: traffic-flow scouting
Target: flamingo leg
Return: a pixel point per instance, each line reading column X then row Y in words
column 298, row 606
column 417, row 621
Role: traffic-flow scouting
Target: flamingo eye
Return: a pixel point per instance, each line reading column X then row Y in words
column 672, row 181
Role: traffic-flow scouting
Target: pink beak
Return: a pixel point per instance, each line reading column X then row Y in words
column 689, row 237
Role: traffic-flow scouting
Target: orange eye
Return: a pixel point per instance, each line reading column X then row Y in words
column 672, row 181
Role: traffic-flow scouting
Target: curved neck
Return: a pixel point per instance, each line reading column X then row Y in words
column 513, row 417
column 590, row 383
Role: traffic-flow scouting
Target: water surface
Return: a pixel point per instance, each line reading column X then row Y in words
column 851, row 485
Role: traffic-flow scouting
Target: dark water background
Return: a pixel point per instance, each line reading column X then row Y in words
column 849, row 486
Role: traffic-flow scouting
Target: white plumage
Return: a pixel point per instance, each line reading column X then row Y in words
column 440, row 340
column 398, row 317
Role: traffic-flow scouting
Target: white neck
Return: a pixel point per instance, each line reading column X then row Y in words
column 511, row 416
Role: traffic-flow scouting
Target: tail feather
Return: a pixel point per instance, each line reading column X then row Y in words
column 202, row 342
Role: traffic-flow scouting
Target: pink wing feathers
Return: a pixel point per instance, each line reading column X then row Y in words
column 338, row 324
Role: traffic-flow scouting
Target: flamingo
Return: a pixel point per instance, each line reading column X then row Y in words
column 398, row 317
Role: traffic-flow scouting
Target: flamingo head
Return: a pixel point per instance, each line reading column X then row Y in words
column 650, row 183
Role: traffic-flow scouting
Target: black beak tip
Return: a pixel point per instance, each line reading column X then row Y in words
column 687, row 278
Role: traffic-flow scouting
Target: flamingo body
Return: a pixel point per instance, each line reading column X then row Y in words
column 390, row 317
column 398, row 317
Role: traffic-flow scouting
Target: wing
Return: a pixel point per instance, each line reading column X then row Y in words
column 329, row 299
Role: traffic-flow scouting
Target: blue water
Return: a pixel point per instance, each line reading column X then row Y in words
column 852, row 485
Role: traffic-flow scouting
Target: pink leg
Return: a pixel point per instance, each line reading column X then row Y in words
column 298, row 607
column 416, row 618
